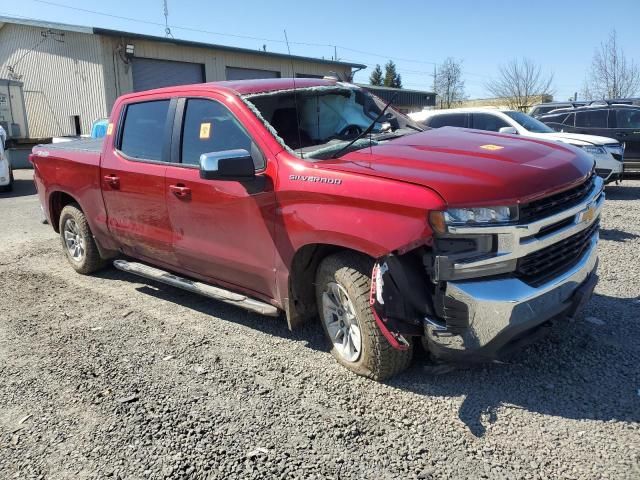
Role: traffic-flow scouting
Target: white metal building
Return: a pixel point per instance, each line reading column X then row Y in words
column 73, row 74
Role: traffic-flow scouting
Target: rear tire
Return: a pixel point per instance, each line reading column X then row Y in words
column 343, row 283
column 77, row 240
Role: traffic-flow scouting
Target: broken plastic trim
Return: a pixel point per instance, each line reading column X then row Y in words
column 395, row 339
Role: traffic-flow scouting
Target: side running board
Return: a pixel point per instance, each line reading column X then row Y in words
column 197, row 287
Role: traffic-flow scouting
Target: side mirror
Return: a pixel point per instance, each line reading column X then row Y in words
column 509, row 130
column 227, row 165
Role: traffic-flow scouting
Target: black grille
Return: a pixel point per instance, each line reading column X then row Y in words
column 538, row 267
column 553, row 204
column 603, row 172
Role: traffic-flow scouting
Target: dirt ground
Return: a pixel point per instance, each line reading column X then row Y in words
column 110, row 376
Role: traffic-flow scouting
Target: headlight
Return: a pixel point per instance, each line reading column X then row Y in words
column 469, row 217
column 593, row 149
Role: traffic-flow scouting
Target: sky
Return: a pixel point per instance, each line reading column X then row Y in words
column 561, row 36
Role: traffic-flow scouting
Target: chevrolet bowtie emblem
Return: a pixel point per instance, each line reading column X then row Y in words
column 589, row 214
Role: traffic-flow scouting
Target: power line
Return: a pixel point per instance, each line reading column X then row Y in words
column 246, row 37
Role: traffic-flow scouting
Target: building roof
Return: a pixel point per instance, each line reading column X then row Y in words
column 402, row 96
column 173, row 41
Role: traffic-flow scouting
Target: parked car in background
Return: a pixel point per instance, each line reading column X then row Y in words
column 621, row 122
column 313, row 198
column 542, row 108
column 606, row 152
column 99, row 128
column 6, row 173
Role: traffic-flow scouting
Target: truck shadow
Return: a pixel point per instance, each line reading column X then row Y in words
column 311, row 334
column 21, row 188
column 617, row 235
column 582, row 370
column 623, row 192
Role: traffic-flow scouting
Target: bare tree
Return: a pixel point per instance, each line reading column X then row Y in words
column 612, row 75
column 521, row 83
column 449, row 84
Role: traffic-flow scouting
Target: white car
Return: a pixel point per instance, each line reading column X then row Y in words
column 607, row 152
column 6, row 174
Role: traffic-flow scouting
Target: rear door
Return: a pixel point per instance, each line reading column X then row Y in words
column 223, row 229
column 133, row 180
column 627, row 129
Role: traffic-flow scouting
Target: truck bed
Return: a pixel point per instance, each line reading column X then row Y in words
column 92, row 145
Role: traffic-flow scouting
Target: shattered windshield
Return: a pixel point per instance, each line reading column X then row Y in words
column 328, row 118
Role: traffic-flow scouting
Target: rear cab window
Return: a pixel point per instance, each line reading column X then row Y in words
column 143, row 129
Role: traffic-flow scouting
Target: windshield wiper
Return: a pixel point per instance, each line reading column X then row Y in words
column 366, row 130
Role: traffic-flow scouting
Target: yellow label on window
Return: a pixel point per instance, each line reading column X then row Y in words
column 110, row 129
column 491, row 147
column 205, row 131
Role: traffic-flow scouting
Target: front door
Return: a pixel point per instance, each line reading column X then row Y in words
column 133, row 181
column 223, row 229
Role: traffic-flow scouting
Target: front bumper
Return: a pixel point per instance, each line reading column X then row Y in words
column 502, row 310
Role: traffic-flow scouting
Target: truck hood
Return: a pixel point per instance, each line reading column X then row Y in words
column 573, row 138
column 471, row 167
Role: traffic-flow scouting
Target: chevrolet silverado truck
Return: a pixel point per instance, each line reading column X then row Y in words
column 314, row 198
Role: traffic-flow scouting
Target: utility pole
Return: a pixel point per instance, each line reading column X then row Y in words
column 167, row 30
column 335, row 53
column 435, row 73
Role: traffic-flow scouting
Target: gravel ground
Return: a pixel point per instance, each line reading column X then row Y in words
column 112, row 377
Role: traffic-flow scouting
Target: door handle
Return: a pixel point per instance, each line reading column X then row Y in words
column 112, row 180
column 621, row 134
column 180, row 190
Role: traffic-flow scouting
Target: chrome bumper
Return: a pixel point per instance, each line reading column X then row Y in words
column 502, row 309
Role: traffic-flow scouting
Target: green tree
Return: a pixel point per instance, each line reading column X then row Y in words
column 391, row 76
column 376, row 76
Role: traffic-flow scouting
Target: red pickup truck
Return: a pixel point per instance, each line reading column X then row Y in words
column 313, row 198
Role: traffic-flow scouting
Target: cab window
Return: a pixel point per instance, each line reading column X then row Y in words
column 143, row 130
column 592, row 119
column 448, row 120
column 209, row 127
column 627, row 118
column 488, row 122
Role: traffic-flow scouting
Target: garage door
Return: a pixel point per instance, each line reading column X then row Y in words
column 148, row 73
column 235, row 73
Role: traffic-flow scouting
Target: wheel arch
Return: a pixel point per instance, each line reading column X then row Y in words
column 57, row 201
column 301, row 306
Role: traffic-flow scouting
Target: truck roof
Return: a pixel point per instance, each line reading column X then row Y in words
column 243, row 87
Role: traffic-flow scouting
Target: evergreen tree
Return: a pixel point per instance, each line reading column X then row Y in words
column 391, row 76
column 376, row 76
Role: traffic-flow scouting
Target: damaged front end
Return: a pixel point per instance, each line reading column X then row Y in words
column 405, row 300
column 478, row 291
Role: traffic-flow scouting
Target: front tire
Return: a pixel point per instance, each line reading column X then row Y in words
column 77, row 241
column 343, row 283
